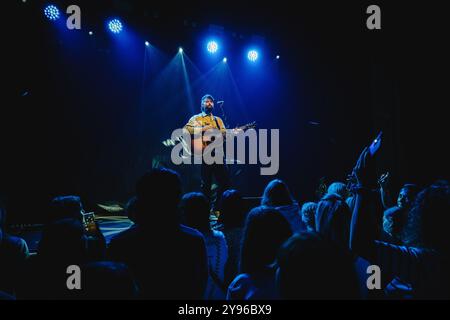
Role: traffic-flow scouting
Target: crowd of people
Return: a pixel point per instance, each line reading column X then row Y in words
column 278, row 250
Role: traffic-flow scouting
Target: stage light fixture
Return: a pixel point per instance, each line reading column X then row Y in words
column 252, row 55
column 212, row 47
column 51, row 12
column 115, row 26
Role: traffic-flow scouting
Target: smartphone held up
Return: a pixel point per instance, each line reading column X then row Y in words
column 375, row 145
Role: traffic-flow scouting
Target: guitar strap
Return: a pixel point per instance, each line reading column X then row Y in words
column 217, row 123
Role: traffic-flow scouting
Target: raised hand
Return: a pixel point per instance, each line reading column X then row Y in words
column 383, row 180
column 364, row 170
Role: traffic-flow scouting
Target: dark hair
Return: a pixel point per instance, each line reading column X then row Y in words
column 233, row 211
column 394, row 221
column 64, row 241
column 63, row 207
column 310, row 267
column 195, row 207
column 276, row 194
column 428, row 219
column 159, row 189
column 411, row 188
column 206, row 96
column 264, row 232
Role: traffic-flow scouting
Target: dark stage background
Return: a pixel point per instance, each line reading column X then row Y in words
column 86, row 114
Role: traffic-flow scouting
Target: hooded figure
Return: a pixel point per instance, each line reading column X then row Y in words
column 333, row 216
column 277, row 195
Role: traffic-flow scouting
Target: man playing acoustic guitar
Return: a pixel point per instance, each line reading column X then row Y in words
column 205, row 121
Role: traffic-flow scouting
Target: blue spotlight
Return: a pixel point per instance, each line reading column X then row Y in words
column 224, row 60
column 252, row 55
column 147, row 43
column 51, row 12
column 180, row 50
column 91, row 33
column 212, row 47
column 278, row 57
column 115, row 26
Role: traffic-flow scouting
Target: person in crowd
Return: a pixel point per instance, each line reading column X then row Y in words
column 333, row 219
column 62, row 207
column 277, row 195
column 394, row 219
column 168, row 259
column 232, row 220
column 310, row 267
column 196, row 211
column 309, row 215
column 333, row 215
column 13, row 254
column 71, row 207
column 420, row 267
column 265, row 231
column 63, row 243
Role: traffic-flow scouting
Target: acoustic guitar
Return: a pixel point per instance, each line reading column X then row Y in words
column 198, row 144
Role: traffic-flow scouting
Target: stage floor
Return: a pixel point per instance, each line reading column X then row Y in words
column 109, row 226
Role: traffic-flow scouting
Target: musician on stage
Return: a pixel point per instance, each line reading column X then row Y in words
column 205, row 121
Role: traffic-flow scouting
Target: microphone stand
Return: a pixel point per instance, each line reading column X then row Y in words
column 224, row 117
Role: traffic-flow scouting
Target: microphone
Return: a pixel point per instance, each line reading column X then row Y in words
column 220, row 102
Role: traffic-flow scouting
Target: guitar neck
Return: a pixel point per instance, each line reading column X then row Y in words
column 245, row 127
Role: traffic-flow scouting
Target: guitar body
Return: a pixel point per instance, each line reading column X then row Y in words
column 199, row 144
